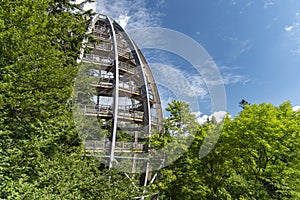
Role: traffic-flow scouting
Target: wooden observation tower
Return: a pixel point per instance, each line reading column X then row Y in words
column 118, row 99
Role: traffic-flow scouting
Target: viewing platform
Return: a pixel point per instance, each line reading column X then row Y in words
column 106, row 112
column 94, row 146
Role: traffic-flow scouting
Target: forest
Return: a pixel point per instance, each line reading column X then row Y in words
column 256, row 156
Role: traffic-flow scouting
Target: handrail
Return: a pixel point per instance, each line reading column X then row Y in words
column 96, row 58
column 104, row 109
column 104, row 46
column 123, row 111
column 102, row 37
column 101, row 29
column 125, row 87
column 125, row 53
column 105, row 145
column 102, row 84
column 127, row 68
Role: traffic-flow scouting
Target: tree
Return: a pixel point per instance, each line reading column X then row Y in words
column 180, row 129
column 40, row 42
column 181, row 121
column 243, row 103
column 40, row 150
column 256, row 157
column 265, row 146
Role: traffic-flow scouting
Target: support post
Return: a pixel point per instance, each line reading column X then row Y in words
column 115, row 95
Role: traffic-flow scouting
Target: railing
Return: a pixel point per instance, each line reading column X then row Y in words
column 129, row 93
column 125, row 53
column 101, row 29
column 103, row 85
column 96, row 58
column 127, row 68
column 101, row 34
column 123, row 86
column 102, row 46
column 122, row 44
column 106, row 76
column 94, row 109
column 102, row 37
column 129, row 126
column 96, row 145
column 123, row 112
column 128, row 87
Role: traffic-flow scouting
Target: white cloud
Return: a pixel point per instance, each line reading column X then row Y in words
column 130, row 14
column 230, row 78
column 290, row 28
column 193, row 84
column 293, row 33
column 245, row 7
column 244, row 46
column 176, row 83
column 123, row 20
column 294, row 27
column 197, row 85
column 237, row 46
column 219, row 116
column 202, row 119
column 173, row 84
column 269, row 3
column 88, row 6
column 249, row 3
column 296, row 108
column 187, row 85
column 181, row 85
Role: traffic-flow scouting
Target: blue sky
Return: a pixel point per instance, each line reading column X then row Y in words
column 255, row 44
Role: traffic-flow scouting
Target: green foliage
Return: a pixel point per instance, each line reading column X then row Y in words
column 40, row 150
column 265, row 148
column 181, row 121
column 243, row 103
column 256, row 157
column 70, row 177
